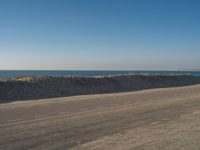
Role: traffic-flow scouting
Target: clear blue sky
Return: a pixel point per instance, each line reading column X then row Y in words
column 100, row 34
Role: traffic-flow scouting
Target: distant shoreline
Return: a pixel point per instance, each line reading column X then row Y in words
column 87, row 73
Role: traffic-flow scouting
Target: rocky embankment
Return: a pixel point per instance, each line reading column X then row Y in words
column 38, row 87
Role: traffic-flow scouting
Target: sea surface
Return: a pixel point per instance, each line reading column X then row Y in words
column 85, row 73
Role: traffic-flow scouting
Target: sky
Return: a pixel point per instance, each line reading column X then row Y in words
column 99, row 34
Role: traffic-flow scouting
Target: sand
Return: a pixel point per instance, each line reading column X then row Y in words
column 154, row 119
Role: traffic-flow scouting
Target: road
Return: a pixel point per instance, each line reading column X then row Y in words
column 167, row 118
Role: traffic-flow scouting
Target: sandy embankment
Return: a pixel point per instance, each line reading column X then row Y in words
column 38, row 87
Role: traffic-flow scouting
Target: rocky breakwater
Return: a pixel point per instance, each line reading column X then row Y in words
column 38, row 87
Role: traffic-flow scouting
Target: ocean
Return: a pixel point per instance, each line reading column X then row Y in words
column 85, row 73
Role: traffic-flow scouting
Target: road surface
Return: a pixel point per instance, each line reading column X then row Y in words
column 167, row 118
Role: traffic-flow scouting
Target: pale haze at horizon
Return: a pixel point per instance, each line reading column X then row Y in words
column 106, row 34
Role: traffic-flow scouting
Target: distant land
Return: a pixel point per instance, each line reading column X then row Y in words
column 189, row 70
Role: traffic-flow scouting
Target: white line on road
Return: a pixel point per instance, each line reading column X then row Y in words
column 116, row 104
column 40, row 116
column 129, row 103
column 62, row 113
column 14, row 120
column 100, row 107
column 60, row 116
column 84, row 109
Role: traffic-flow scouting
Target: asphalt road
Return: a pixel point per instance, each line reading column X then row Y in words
column 166, row 118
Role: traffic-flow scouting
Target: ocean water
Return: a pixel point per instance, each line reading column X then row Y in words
column 89, row 73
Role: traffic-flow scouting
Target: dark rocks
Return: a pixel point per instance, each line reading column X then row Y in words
column 38, row 87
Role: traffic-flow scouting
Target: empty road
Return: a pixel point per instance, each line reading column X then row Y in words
column 167, row 118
